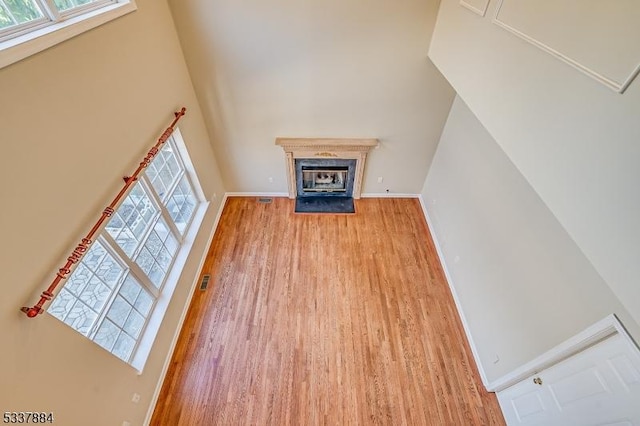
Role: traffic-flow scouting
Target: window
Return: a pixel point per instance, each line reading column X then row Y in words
column 113, row 291
column 30, row 26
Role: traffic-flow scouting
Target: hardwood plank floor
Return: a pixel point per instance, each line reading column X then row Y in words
column 323, row 319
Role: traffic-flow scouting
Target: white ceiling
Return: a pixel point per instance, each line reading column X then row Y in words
column 336, row 68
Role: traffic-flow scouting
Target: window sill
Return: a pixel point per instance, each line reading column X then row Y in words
column 18, row 48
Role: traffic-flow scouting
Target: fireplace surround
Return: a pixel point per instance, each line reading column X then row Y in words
column 330, row 167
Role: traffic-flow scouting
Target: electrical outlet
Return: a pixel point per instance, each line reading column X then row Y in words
column 380, row 179
column 126, row 423
column 135, row 398
column 270, row 179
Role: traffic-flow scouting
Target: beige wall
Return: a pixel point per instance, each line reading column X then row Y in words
column 574, row 140
column 523, row 284
column 333, row 68
column 75, row 119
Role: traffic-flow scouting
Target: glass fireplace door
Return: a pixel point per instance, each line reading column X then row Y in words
column 324, row 179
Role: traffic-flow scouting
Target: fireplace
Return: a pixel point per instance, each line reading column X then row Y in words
column 331, row 168
column 324, row 177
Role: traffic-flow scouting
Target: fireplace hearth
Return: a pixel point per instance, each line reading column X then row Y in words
column 324, row 185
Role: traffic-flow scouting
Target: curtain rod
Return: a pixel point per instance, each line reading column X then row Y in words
column 84, row 244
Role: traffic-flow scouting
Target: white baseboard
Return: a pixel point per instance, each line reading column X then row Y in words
column 257, row 194
column 465, row 324
column 183, row 315
column 388, row 195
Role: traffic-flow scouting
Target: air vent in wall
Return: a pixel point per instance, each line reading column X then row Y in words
column 265, row 200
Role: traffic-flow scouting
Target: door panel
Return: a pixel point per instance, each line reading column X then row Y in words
column 583, row 384
column 529, row 406
column 597, row 386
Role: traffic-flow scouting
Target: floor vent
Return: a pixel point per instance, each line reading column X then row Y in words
column 205, row 282
column 265, row 200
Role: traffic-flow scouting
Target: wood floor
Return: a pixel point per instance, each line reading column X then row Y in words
column 323, row 320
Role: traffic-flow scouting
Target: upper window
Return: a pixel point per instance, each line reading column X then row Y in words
column 30, row 26
column 111, row 294
column 17, row 13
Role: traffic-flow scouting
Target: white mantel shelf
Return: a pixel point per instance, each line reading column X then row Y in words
column 326, row 148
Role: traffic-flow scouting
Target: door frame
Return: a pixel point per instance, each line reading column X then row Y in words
column 593, row 334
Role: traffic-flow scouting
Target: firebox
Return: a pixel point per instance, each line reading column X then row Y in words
column 324, row 177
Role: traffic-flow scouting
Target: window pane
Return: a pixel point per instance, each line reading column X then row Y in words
column 133, row 325
column 127, row 315
column 107, row 335
column 70, row 4
column 81, row 317
column 145, row 260
column 16, row 12
column 95, row 294
column 130, row 289
column 78, row 280
column 157, row 253
column 109, row 271
column 5, row 18
column 182, row 204
column 143, row 303
column 88, row 289
column 156, row 275
column 123, row 347
column 164, row 258
column 94, row 256
column 134, row 296
column 132, row 219
column 119, row 311
column 164, row 170
column 62, row 304
column 127, row 312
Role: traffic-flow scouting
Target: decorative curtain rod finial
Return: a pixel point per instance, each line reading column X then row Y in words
column 31, row 312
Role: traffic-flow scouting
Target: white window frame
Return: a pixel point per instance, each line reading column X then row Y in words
column 163, row 294
column 21, row 41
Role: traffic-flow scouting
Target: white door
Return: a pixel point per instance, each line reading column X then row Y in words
column 597, row 386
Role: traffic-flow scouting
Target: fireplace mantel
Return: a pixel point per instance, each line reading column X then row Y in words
column 326, row 148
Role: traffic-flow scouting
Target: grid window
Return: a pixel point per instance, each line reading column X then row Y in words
column 84, row 296
column 63, row 5
column 158, row 252
column 16, row 12
column 132, row 220
column 182, row 204
column 110, row 295
column 22, row 17
column 164, row 171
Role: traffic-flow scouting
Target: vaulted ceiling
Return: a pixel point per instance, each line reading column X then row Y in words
column 333, row 68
